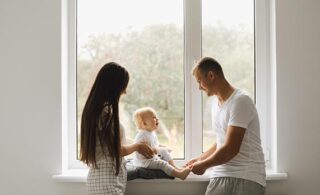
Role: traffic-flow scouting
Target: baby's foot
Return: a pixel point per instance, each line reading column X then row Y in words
column 184, row 173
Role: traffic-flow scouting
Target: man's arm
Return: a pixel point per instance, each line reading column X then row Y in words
column 209, row 152
column 225, row 153
column 203, row 156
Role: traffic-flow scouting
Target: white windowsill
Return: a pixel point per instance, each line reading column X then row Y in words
column 80, row 176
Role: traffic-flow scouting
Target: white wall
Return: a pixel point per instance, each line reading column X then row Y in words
column 30, row 140
column 298, row 67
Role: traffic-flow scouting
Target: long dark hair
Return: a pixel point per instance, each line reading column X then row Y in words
column 110, row 83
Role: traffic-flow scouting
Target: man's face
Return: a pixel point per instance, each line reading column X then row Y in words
column 205, row 82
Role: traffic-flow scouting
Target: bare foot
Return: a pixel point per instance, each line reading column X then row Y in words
column 184, row 173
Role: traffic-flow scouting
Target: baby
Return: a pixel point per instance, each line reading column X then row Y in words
column 147, row 122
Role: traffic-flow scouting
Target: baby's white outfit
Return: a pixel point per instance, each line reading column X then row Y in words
column 160, row 160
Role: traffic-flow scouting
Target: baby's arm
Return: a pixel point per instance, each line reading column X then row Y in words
column 159, row 149
column 140, row 137
column 163, row 146
column 160, row 146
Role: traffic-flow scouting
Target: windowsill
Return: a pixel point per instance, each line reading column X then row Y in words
column 80, row 176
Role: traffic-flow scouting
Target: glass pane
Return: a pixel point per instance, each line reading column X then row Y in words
column 145, row 36
column 228, row 36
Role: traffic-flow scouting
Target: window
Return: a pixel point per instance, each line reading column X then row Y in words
column 149, row 44
column 158, row 42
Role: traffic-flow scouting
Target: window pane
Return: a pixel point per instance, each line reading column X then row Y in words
column 228, row 36
column 145, row 36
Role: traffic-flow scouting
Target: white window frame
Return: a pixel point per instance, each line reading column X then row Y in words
column 265, row 55
column 265, row 81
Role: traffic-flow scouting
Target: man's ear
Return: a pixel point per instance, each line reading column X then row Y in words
column 210, row 75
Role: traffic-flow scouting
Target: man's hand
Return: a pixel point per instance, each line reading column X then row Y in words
column 198, row 168
column 191, row 162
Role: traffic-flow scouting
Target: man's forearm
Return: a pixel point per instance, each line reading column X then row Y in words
column 220, row 156
column 208, row 153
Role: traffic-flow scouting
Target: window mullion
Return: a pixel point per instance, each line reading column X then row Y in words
column 264, row 83
column 71, row 92
column 193, row 116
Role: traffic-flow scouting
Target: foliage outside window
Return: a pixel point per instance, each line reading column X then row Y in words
column 149, row 41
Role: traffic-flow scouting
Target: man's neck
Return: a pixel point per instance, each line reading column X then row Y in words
column 225, row 92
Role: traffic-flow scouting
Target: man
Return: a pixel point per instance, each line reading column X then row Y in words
column 236, row 157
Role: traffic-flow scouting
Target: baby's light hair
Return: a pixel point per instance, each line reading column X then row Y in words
column 139, row 114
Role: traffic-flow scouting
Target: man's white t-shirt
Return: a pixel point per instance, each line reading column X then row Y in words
column 240, row 111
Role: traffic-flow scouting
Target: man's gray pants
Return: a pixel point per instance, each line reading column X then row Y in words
column 233, row 186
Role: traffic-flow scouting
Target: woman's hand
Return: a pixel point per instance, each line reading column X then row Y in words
column 155, row 151
column 145, row 150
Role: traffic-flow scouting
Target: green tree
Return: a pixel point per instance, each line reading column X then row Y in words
column 154, row 59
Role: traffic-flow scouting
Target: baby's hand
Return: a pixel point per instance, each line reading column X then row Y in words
column 191, row 162
column 169, row 150
column 165, row 147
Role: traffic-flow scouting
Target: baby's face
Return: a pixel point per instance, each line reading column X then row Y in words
column 151, row 121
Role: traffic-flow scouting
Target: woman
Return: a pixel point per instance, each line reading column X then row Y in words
column 102, row 137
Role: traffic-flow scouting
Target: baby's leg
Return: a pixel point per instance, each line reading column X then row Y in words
column 172, row 164
column 165, row 155
column 161, row 164
column 168, row 169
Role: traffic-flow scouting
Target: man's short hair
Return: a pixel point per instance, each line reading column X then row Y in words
column 207, row 64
